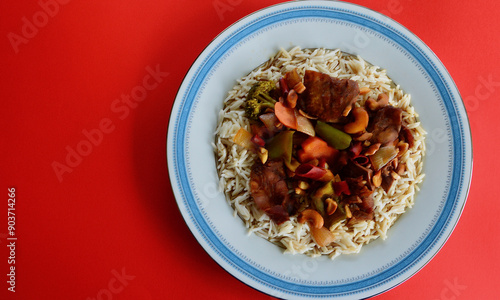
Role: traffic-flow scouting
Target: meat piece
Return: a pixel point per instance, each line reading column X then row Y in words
column 386, row 125
column 359, row 187
column 340, row 163
column 269, row 190
column 326, row 97
column 387, row 178
column 278, row 214
column 407, row 136
column 353, row 199
column 387, row 182
column 353, row 170
column 359, row 215
column 367, row 204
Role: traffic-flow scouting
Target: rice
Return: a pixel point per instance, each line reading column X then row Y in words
column 234, row 163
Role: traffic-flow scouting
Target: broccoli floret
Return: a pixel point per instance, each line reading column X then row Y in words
column 261, row 90
column 259, row 98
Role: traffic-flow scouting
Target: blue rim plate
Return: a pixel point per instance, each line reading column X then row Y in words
column 415, row 237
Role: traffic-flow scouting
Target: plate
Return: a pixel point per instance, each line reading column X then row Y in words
column 415, row 237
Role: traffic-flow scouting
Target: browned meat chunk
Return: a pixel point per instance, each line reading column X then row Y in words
column 269, row 190
column 278, row 214
column 368, row 204
column 386, row 125
column 326, row 97
column 387, row 178
column 359, row 187
column 359, row 215
column 407, row 136
column 355, row 170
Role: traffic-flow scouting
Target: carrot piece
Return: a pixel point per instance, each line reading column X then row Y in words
column 315, row 148
column 285, row 115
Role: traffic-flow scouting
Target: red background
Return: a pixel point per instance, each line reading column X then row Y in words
column 115, row 211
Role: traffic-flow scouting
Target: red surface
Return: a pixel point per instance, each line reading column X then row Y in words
column 115, row 211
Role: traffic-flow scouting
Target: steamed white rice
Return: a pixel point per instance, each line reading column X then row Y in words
column 234, row 162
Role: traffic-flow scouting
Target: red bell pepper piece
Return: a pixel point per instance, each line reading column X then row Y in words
column 341, row 187
column 257, row 140
column 284, row 87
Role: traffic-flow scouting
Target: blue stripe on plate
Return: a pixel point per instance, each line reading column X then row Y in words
column 458, row 151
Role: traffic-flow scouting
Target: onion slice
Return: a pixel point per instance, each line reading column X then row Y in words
column 383, row 156
column 322, row 236
column 304, row 124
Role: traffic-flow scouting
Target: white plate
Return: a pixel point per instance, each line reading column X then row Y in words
column 414, row 239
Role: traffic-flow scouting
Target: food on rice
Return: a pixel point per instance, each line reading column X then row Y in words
column 318, row 151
